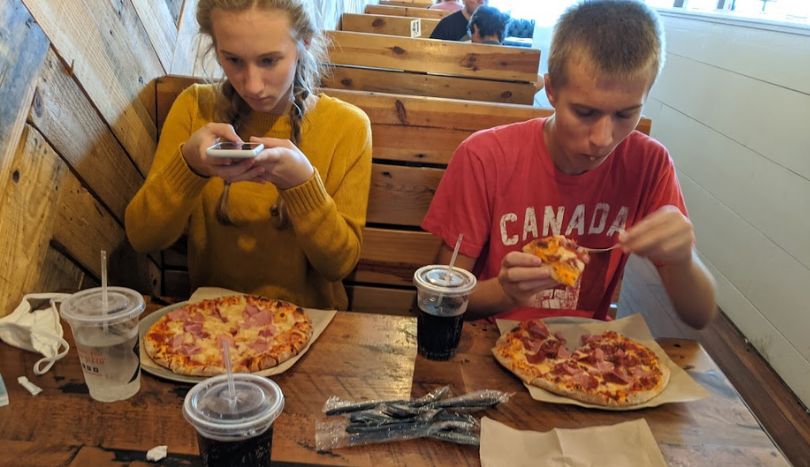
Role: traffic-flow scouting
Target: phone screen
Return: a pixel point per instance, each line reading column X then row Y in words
column 236, row 146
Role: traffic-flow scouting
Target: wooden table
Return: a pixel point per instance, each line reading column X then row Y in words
column 359, row 356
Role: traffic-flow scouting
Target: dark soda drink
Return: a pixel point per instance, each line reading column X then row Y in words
column 250, row 452
column 437, row 337
column 234, row 423
column 442, row 297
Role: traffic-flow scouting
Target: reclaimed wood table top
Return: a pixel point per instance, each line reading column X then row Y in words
column 359, row 356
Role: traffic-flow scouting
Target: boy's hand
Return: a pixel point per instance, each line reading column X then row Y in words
column 522, row 276
column 665, row 237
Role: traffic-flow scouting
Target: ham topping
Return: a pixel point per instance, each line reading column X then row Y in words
column 565, row 368
column 259, row 345
column 586, row 381
column 250, row 310
column 189, row 349
column 637, row 372
column 604, row 367
column 269, row 331
column 177, row 341
column 195, row 317
column 193, row 328
column 180, row 314
column 532, row 346
column 537, row 329
column 562, row 352
column 535, row 358
column 618, row 376
column 261, row 318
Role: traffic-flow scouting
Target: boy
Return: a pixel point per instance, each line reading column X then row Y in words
column 583, row 173
column 487, row 26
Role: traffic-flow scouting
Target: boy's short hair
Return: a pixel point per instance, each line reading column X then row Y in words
column 490, row 22
column 620, row 37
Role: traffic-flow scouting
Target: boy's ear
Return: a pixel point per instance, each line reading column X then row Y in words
column 550, row 90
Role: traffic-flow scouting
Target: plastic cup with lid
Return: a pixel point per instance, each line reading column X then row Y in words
column 107, row 340
column 234, row 431
column 442, row 297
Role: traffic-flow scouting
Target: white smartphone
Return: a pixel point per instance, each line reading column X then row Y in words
column 233, row 150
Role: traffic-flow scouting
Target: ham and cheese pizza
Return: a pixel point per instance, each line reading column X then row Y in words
column 567, row 260
column 260, row 332
column 608, row 369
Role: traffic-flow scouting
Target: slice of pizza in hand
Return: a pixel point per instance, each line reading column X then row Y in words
column 566, row 258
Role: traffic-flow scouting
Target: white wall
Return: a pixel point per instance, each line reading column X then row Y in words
column 733, row 107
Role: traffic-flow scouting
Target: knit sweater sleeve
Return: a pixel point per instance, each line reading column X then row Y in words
column 329, row 225
column 157, row 215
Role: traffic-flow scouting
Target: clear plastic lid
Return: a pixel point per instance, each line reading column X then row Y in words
column 87, row 306
column 209, row 409
column 439, row 278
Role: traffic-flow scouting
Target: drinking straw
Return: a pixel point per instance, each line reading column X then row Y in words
column 453, row 258
column 450, row 266
column 226, row 357
column 104, row 300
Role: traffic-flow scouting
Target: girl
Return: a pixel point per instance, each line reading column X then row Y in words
column 287, row 223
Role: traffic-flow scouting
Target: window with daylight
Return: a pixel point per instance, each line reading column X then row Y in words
column 787, row 11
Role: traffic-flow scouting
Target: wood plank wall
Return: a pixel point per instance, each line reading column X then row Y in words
column 743, row 162
column 78, row 133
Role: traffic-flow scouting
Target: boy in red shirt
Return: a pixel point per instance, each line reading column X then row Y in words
column 584, row 173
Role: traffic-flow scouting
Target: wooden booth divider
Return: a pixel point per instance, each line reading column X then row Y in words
column 411, row 11
column 414, row 139
column 408, row 3
column 426, row 67
column 382, row 24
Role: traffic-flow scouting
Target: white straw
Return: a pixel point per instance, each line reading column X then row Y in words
column 104, row 300
column 226, row 357
column 450, row 266
column 455, row 254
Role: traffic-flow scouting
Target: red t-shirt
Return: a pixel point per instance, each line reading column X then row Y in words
column 501, row 190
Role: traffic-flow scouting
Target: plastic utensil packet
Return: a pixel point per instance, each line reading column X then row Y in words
column 344, row 433
column 431, row 416
column 336, row 406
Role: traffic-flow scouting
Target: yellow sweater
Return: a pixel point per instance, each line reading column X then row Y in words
column 303, row 262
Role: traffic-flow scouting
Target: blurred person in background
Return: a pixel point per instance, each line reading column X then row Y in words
column 453, row 27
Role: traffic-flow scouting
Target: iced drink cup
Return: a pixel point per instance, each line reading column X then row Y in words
column 442, row 297
column 107, row 340
column 239, row 431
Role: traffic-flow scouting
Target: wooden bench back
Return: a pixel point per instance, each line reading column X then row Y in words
column 408, row 3
column 382, row 24
column 426, row 67
column 410, row 11
column 413, row 141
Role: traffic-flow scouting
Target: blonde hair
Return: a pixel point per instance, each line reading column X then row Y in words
column 311, row 47
column 620, row 37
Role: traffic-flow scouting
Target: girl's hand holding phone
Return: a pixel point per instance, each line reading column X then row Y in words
column 195, row 152
column 283, row 164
